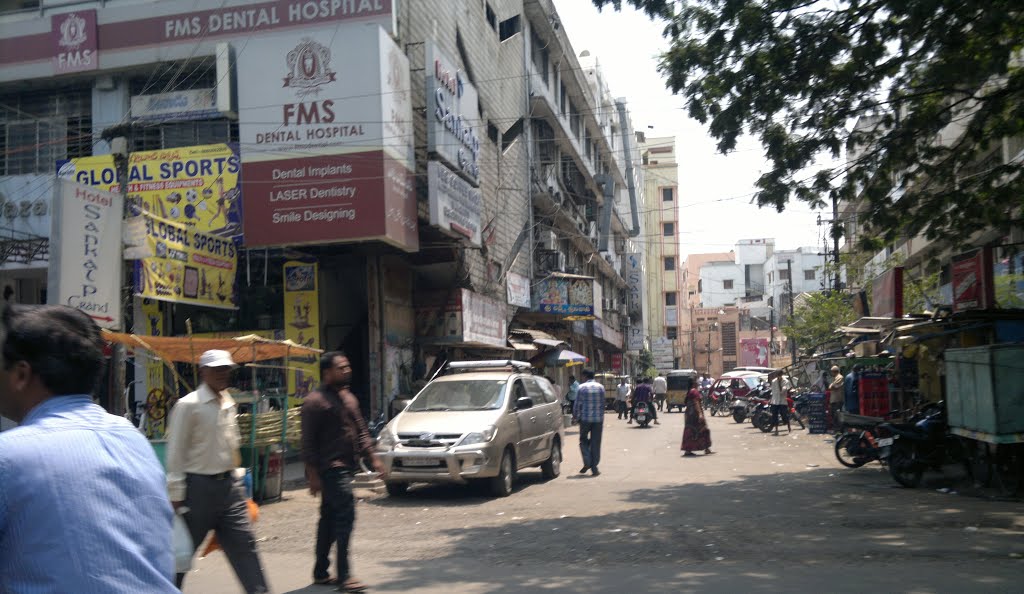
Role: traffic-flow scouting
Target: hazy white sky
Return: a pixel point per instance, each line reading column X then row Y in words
column 715, row 190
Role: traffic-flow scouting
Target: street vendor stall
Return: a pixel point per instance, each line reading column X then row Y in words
column 268, row 423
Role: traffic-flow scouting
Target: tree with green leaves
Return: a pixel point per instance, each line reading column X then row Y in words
column 815, row 321
column 646, row 364
column 934, row 86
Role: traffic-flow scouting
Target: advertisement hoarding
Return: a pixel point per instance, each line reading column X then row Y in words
column 85, row 262
column 462, row 317
column 302, row 323
column 455, row 205
column 518, row 289
column 183, row 265
column 572, row 297
column 453, row 115
column 972, row 280
column 196, row 185
column 887, row 294
column 754, row 352
column 325, row 115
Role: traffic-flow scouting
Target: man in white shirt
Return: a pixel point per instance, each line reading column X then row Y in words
column 621, row 395
column 779, row 403
column 660, row 391
column 202, row 455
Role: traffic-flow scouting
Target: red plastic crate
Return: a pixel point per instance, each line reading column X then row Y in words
column 874, row 395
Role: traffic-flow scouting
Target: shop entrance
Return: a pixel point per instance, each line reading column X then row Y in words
column 345, row 317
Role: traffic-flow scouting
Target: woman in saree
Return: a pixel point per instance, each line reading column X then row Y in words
column 696, row 435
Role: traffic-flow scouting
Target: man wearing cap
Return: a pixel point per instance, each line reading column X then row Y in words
column 202, row 455
column 835, row 395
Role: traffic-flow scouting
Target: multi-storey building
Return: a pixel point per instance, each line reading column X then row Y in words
column 441, row 171
column 667, row 322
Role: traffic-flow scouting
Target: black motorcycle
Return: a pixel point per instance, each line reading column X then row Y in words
column 922, row 445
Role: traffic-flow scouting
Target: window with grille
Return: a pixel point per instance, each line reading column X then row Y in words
column 670, row 263
column 671, row 332
column 38, row 128
column 670, row 298
column 808, row 275
column 729, row 339
column 669, row 229
column 179, row 134
column 666, row 194
column 727, row 284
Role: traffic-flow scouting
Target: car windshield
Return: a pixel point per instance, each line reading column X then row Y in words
column 460, row 395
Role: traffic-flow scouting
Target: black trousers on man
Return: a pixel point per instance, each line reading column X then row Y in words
column 337, row 518
column 218, row 503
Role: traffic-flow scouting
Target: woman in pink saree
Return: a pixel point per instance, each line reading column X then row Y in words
column 696, row 435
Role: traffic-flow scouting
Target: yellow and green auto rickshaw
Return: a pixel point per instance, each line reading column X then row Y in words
column 679, row 383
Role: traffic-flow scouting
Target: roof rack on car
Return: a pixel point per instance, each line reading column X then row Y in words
column 490, row 364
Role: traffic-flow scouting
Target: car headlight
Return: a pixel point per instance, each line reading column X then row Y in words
column 386, row 440
column 478, row 436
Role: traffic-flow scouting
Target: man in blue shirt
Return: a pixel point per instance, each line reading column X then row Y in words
column 851, row 389
column 83, row 505
column 589, row 409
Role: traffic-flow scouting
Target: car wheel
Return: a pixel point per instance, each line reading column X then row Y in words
column 396, row 489
column 552, row 467
column 501, row 485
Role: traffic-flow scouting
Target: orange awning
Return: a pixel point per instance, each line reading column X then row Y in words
column 183, row 349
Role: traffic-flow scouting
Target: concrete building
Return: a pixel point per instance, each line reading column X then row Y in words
column 666, row 304
column 808, row 268
column 467, row 174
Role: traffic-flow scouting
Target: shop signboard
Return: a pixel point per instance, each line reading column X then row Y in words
column 196, row 186
column 887, row 294
column 635, row 338
column 754, row 352
column 189, row 104
column 182, row 265
column 972, row 280
column 152, row 367
column 634, row 275
column 454, row 204
column 617, row 362
column 325, row 115
column 302, row 323
column 73, row 40
column 570, row 296
column 518, row 290
column 462, row 317
column 664, row 355
column 85, row 253
column 453, row 115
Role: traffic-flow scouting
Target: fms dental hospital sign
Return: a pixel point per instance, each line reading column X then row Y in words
column 326, row 119
column 85, row 269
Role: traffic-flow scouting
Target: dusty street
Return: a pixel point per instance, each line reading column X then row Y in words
column 763, row 513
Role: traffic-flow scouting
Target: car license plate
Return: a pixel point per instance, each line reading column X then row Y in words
column 421, row 461
column 885, row 441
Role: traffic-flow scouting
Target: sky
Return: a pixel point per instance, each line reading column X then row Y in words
column 715, row 190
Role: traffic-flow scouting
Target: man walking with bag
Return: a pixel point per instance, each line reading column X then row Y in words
column 334, row 439
column 202, row 458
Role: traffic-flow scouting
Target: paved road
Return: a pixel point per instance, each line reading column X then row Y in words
column 762, row 514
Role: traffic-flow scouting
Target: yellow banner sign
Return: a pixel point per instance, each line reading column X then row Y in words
column 302, row 323
column 196, row 186
column 183, row 265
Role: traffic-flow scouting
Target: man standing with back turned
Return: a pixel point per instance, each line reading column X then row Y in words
column 334, row 439
column 202, row 455
column 589, row 409
column 83, row 506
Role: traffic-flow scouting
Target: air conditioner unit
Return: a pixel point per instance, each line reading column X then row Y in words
column 548, row 240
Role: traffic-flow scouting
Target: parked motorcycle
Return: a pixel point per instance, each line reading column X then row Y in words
column 642, row 415
column 922, row 445
column 856, row 448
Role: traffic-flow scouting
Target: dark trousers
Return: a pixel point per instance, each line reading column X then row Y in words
column 337, row 518
column 783, row 410
column 219, row 504
column 621, row 408
column 590, row 442
column 660, row 400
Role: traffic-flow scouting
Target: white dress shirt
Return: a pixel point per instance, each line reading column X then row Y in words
column 778, row 393
column 202, row 438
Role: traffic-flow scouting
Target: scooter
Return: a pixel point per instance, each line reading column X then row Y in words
column 923, row 445
column 643, row 414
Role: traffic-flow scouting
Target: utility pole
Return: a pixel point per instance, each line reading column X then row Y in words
column 771, row 334
column 792, row 343
column 835, row 239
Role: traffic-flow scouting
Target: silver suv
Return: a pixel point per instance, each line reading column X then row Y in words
column 483, row 420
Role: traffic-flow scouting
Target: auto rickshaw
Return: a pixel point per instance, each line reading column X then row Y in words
column 679, row 383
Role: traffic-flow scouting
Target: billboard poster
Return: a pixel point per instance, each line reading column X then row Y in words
column 972, row 280
column 85, row 264
column 182, row 265
column 518, row 290
column 754, row 352
column 462, row 317
column 453, row 115
column 302, row 323
column 570, row 297
column 887, row 294
column 325, row 115
column 196, row 186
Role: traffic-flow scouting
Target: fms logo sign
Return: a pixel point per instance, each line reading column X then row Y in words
column 309, row 68
column 74, row 42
